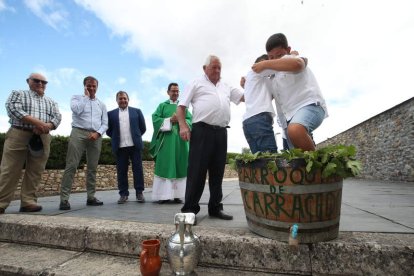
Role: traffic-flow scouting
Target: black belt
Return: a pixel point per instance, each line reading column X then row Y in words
column 85, row 129
column 23, row 128
column 202, row 124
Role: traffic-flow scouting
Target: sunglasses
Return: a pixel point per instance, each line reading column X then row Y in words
column 39, row 81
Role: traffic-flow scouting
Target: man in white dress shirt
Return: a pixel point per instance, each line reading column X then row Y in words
column 89, row 123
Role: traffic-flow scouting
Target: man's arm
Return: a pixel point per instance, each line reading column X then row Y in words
column 77, row 104
column 142, row 125
column 110, row 127
column 14, row 107
column 185, row 132
column 40, row 126
column 104, row 124
column 56, row 116
column 289, row 64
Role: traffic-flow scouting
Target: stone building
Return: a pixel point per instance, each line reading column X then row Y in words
column 385, row 143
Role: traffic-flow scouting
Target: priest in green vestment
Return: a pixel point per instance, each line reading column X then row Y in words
column 169, row 151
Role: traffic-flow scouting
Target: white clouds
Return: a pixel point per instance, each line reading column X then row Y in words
column 65, row 126
column 65, row 76
column 2, row 5
column 350, row 46
column 121, row 80
column 5, row 7
column 4, row 123
column 50, row 12
column 358, row 50
column 148, row 75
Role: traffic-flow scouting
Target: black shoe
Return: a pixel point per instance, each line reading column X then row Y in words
column 31, row 208
column 94, row 202
column 163, row 201
column 221, row 215
column 64, row 205
column 177, row 200
column 122, row 199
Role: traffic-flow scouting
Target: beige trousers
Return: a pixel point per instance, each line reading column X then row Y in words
column 15, row 155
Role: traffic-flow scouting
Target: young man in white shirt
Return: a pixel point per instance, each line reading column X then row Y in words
column 296, row 91
column 258, row 119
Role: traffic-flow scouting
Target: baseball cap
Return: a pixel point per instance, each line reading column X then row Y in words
column 36, row 146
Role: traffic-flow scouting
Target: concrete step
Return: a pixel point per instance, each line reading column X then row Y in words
column 353, row 253
column 20, row 259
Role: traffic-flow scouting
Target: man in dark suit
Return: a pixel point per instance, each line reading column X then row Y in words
column 126, row 125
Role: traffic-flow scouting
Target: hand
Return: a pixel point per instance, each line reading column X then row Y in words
column 173, row 118
column 86, row 92
column 294, row 52
column 258, row 67
column 93, row 136
column 185, row 132
column 37, row 131
column 242, row 82
column 42, row 128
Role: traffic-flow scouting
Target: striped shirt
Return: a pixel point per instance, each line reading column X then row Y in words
column 23, row 103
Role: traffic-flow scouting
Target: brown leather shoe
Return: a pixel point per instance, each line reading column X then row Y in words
column 122, row 199
column 31, row 208
column 2, row 211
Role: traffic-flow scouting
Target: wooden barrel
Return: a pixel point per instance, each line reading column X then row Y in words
column 275, row 200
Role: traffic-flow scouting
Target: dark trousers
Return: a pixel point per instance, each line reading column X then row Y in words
column 122, row 159
column 208, row 151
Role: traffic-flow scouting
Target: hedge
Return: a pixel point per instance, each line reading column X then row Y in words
column 59, row 148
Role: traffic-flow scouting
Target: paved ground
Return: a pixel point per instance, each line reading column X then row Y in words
column 367, row 206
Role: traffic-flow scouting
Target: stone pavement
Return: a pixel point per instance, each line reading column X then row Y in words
column 376, row 236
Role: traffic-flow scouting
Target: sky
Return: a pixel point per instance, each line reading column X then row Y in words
column 358, row 50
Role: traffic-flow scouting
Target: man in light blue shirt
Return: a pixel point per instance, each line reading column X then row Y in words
column 89, row 123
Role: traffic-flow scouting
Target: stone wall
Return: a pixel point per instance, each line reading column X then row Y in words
column 385, row 143
column 105, row 179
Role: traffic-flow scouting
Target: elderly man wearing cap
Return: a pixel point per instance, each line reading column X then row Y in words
column 32, row 116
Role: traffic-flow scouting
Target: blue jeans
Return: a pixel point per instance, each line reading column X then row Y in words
column 258, row 131
column 310, row 116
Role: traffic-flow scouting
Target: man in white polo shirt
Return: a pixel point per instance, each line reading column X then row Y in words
column 210, row 99
column 258, row 119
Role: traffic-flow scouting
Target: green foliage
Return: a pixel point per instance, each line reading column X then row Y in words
column 145, row 152
column 230, row 156
column 107, row 157
column 59, row 148
column 246, row 150
column 335, row 160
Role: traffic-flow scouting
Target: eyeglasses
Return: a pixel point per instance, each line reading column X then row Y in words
column 39, row 81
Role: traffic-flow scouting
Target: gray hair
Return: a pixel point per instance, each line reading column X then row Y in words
column 210, row 58
column 35, row 73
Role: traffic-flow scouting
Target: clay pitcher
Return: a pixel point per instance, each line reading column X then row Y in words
column 150, row 260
